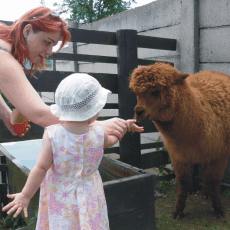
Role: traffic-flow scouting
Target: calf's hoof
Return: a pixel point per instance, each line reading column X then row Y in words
column 219, row 214
column 178, row 214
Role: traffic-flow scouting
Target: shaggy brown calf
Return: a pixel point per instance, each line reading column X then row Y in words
column 192, row 113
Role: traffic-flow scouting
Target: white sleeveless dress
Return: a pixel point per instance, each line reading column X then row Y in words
column 72, row 195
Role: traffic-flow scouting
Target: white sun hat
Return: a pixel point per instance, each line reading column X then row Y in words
column 79, row 97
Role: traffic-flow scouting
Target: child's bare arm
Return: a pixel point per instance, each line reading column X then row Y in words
column 38, row 173
column 110, row 140
column 21, row 200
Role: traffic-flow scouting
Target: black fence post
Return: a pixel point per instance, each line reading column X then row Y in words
column 4, row 181
column 130, row 147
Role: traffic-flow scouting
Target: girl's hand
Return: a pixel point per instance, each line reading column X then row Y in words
column 17, row 205
column 133, row 127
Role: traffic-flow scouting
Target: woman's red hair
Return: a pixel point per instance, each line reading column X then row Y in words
column 41, row 19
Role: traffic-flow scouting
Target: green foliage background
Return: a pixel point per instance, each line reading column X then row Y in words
column 87, row 11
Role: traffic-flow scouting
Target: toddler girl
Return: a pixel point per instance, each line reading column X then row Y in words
column 71, row 191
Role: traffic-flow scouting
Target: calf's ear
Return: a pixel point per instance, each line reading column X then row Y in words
column 180, row 78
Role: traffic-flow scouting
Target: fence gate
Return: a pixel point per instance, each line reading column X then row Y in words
column 126, row 43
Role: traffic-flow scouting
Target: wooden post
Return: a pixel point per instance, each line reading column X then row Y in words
column 127, row 60
column 4, row 180
column 189, row 36
column 74, row 25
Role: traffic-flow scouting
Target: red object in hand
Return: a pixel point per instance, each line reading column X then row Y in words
column 19, row 123
column 21, row 128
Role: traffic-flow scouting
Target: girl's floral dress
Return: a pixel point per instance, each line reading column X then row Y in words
column 72, row 195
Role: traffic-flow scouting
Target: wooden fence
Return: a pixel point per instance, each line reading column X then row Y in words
column 127, row 43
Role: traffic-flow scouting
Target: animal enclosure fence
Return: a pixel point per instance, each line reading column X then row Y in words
column 127, row 43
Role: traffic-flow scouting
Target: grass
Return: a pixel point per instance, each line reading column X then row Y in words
column 19, row 223
column 199, row 214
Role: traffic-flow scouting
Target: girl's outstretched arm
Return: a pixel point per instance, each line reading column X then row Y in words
column 21, row 200
column 133, row 127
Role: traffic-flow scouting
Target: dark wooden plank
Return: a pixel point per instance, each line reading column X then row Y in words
column 111, row 106
column 107, row 80
column 118, row 169
column 127, row 61
column 83, row 57
column 5, row 176
column 88, row 36
column 75, row 51
column 93, row 36
column 154, row 159
column 47, row 81
column 156, row 42
column 131, row 203
column 157, row 144
column 145, row 62
column 139, row 219
column 2, row 159
column 3, row 192
column 3, row 168
column 111, row 150
column 107, row 105
column 128, row 189
column 225, row 184
column 150, row 62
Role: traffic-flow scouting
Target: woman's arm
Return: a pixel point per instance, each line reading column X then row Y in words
column 18, row 90
column 21, row 200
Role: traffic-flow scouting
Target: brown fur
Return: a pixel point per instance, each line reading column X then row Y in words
column 192, row 113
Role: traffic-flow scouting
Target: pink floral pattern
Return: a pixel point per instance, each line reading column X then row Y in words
column 72, row 195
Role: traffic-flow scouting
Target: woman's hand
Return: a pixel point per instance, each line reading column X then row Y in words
column 19, row 123
column 6, row 120
column 114, row 126
column 5, row 115
column 13, row 120
column 17, row 205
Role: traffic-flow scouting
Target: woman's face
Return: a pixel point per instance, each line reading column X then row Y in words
column 40, row 44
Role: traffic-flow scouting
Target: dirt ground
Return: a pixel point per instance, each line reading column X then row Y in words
column 199, row 214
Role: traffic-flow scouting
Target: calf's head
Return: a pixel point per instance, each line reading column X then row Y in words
column 155, row 89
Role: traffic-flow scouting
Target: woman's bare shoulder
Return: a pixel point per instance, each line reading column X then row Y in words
column 5, row 46
column 8, row 64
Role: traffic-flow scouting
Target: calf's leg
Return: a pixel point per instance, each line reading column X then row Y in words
column 183, row 174
column 213, row 174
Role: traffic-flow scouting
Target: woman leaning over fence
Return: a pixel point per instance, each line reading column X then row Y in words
column 24, row 46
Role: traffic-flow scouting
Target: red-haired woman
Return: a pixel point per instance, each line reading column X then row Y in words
column 30, row 40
